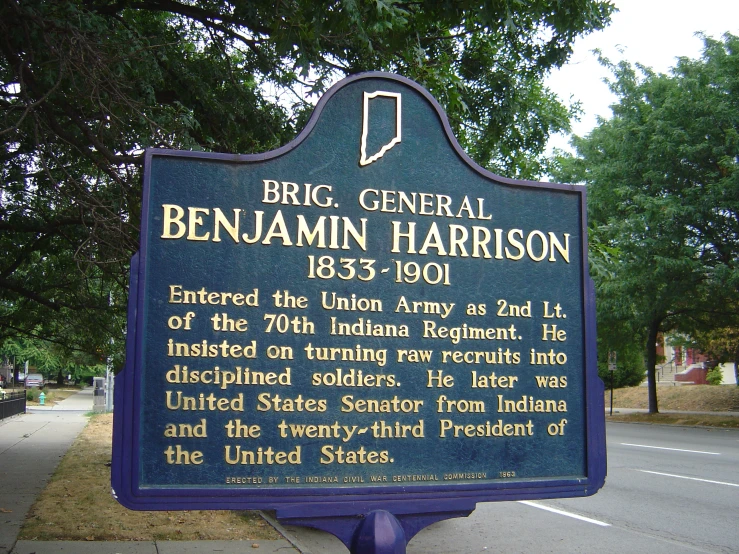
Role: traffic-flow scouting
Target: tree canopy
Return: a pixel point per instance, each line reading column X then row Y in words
column 87, row 85
column 663, row 200
column 52, row 361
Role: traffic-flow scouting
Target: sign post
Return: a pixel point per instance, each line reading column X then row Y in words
column 362, row 330
column 611, row 369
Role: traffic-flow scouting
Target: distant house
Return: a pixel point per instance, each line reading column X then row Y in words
column 686, row 365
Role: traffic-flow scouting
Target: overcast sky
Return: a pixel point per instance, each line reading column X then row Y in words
column 652, row 32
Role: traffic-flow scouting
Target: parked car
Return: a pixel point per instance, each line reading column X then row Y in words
column 35, row 380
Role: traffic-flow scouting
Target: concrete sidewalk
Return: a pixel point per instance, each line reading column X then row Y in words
column 79, row 402
column 162, row 547
column 31, row 447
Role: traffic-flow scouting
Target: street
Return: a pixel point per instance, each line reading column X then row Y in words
column 669, row 490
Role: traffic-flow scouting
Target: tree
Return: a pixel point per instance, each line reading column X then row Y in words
column 616, row 332
column 50, row 360
column 86, row 85
column 663, row 183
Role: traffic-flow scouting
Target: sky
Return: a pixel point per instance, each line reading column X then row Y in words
column 654, row 33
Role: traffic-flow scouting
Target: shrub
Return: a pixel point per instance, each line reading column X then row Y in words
column 715, row 376
column 32, row 394
column 630, row 368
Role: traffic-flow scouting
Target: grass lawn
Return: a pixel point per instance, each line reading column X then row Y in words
column 53, row 394
column 691, row 398
column 721, row 400
column 77, row 504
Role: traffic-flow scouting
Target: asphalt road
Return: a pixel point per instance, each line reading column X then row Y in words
column 669, row 490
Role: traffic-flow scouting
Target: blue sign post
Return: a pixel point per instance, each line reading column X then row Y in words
column 362, row 330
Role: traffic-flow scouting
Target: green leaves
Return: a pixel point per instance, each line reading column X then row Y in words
column 664, row 196
column 86, row 86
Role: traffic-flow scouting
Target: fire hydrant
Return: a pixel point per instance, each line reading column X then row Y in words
column 41, row 399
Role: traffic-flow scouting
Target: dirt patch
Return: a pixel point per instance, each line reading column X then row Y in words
column 691, row 398
column 77, row 504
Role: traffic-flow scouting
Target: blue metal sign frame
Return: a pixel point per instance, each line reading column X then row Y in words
column 142, row 483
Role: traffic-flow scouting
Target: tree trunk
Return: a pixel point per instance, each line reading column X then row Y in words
column 651, row 367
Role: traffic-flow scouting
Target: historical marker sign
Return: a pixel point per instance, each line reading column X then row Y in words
column 361, row 318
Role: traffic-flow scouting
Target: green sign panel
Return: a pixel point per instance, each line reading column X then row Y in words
column 364, row 311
